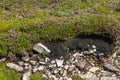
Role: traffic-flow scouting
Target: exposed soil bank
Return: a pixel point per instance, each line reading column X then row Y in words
column 82, row 43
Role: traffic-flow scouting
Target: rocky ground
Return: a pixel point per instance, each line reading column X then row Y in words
column 87, row 66
column 87, row 58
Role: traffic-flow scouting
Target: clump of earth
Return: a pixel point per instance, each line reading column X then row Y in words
column 100, row 45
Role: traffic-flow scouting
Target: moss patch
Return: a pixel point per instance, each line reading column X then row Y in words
column 36, row 76
column 8, row 74
column 24, row 23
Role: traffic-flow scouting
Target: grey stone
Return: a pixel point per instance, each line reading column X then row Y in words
column 71, row 67
column 64, row 73
column 66, row 67
column 59, row 62
column 65, row 78
column 47, row 59
column 27, row 66
column 111, row 67
column 61, row 78
column 80, row 64
column 3, row 59
column 89, row 76
column 41, row 48
column 15, row 67
column 54, row 77
column 33, row 62
column 42, row 62
column 21, row 63
column 53, row 62
column 94, row 69
column 25, row 58
column 105, row 73
column 55, row 71
column 51, row 66
column 93, row 46
column 108, row 78
column 75, row 54
column 43, row 75
column 26, row 76
column 41, row 68
column 35, row 69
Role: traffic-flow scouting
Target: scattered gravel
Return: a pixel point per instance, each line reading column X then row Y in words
column 87, row 66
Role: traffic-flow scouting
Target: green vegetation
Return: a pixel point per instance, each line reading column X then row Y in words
column 36, row 76
column 25, row 22
column 7, row 74
column 77, row 77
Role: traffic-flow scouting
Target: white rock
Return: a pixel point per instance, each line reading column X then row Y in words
column 89, row 76
column 27, row 66
column 2, row 59
column 51, row 66
column 42, row 62
column 75, row 54
column 15, row 67
column 54, row 65
column 59, row 62
column 55, row 71
column 25, row 58
column 64, row 73
column 65, row 78
column 94, row 69
column 80, row 64
column 59, row 69
column 47, row 59
column 91, row 51
column 71, row 67
column 61, row 78
column 41, row 68
column 54, row 77
column 21, row 63
column 94, row 50
column 105, row 73
column 35, row 69
column 66, row 67
column 33, row 62
column 108, row 78
column 114, row 55
column 41, row 48
column 26, row 76
column 93, row 46
column 69, row 78
column 43, row 75
column 53, row 62
column 111, row 67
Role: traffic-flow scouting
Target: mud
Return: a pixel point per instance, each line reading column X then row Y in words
column 103, row 45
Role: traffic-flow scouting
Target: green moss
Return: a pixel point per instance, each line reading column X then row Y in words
column 36, row 76
column 8, row 74
column 45, row 20
column 76, row 77
column 50, row 20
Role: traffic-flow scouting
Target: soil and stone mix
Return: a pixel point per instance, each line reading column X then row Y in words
column 84, row 57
